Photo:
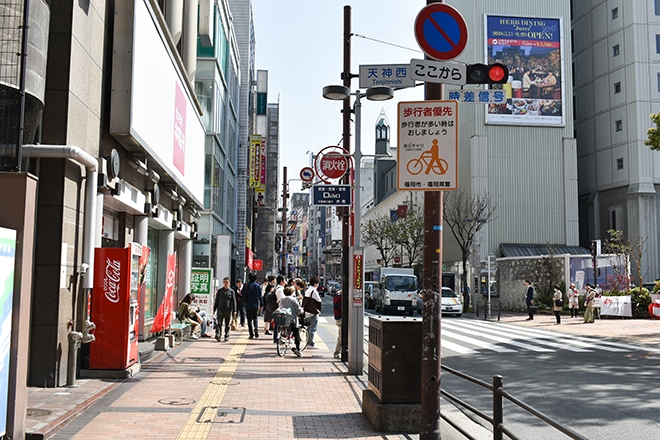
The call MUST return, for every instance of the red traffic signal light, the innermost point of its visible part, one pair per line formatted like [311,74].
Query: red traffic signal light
[496,73]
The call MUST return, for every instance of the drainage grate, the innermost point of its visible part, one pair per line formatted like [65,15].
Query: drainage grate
[176,401]
[38,412]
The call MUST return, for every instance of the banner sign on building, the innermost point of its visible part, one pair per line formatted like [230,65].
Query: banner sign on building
[201,288]
[531,47]
[255,161]
[427,153]
[7,263]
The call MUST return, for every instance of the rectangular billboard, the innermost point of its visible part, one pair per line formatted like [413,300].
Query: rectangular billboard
[531,47]
[153,107]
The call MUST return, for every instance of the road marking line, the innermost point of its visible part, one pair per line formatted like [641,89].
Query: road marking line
[200,421]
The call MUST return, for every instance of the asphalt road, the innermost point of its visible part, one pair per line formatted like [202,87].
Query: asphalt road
[600,388]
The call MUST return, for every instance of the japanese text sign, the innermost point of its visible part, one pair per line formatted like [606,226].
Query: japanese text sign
[392,75]
[428,145]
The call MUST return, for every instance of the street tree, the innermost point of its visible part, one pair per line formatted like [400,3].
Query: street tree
[409,234]
[465,214]
[627,251]
[653,133]
[380,233]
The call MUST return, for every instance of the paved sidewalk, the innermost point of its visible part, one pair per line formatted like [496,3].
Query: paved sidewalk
[216,390]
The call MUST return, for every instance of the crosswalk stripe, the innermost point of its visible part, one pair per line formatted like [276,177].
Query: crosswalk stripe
[571,339]
[498,338]
[539,340]
[457,348]
[466,339]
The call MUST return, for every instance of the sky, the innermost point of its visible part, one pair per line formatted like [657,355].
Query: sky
[300,44]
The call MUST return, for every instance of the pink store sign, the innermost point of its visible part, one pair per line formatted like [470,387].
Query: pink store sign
[179,156]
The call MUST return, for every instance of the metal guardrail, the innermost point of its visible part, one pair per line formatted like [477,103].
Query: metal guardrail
[494,305]
[497,419]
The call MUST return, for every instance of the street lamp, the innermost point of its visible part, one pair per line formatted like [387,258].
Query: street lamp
[356,314]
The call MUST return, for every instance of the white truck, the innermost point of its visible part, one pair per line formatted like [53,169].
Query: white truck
[397,291]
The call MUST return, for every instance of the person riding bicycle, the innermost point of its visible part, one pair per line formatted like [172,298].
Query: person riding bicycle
[290,302]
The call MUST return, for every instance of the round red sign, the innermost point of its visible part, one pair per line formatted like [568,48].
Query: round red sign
[397,259]
[333,165]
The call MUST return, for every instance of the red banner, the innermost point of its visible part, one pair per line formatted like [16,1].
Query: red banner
[257,265]
[163,318]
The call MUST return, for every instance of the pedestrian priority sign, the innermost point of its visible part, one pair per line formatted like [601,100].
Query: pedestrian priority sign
[427,145]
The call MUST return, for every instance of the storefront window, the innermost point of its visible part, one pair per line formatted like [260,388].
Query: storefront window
[151,277]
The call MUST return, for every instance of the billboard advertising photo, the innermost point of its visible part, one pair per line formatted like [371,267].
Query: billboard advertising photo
[531,47]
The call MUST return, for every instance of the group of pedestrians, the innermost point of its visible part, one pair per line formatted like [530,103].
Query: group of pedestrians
[572,295]
[251,300]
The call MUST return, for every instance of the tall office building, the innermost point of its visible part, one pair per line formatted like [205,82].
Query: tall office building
[616,70]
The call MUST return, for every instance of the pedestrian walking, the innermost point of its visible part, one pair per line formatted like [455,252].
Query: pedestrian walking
[268,313]
[240,305]
[589,305]
[573,303]
[558,299]
[336,308]
[225,308]
[312,306]
[529,299]
[270,305]
[253,302]
[280,283]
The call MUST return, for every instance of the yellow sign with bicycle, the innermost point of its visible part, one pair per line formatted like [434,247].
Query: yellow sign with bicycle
[427,145]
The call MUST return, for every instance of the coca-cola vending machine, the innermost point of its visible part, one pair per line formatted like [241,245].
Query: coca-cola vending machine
[117,278]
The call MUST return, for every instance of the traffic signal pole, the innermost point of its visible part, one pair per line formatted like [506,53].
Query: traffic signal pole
[432,284]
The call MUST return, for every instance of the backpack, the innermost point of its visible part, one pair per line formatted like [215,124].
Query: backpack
[271,301]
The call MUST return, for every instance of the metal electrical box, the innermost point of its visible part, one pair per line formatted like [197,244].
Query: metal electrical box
[395,359]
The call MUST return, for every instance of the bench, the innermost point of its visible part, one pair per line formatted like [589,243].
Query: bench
[181,331]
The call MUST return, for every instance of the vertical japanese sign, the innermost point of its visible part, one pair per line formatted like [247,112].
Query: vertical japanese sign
[7,256]
[201,288]
[179,154]
[531,48]
[358,278]
[255,161]
[428,145]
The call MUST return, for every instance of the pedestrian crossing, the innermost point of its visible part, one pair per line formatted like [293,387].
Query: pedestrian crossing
[459,336]
[471,336]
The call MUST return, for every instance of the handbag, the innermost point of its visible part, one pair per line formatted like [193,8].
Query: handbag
[559,303]
[304,321]
[234,324]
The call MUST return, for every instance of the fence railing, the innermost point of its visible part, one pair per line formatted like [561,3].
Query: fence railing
[497,418]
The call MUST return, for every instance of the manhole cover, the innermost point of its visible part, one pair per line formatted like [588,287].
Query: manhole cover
[230,415]
[38,412]
[225,382]
[176,401]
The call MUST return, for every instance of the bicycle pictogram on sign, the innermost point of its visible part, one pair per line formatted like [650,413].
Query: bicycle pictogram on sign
[430,159]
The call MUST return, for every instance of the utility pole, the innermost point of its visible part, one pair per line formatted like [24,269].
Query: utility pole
[432,284]
[344,212]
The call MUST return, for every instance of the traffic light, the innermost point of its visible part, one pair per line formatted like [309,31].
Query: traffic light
[594,250]
[278,243]
[496,73]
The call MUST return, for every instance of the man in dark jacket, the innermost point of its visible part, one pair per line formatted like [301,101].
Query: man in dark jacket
[225,307]
[253,301]
[529,299]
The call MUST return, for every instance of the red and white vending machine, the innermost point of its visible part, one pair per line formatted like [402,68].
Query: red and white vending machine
[117,278]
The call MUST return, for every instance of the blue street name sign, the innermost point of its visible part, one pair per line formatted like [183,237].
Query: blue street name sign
[334,195]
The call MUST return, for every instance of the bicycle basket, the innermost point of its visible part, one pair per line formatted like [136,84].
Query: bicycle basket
[304,321]
[283,317]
